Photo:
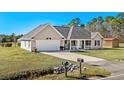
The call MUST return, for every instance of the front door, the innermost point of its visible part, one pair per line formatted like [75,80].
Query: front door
[67,45]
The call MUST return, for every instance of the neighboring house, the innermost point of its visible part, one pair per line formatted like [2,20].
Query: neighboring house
[54,38]
[111,43]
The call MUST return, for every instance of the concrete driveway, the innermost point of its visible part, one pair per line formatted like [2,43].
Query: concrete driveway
[73,56]
[116,68]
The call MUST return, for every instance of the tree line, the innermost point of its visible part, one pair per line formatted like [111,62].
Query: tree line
[10,38]
[110,26]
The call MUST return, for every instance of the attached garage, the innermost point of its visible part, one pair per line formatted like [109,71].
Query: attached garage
[48,45]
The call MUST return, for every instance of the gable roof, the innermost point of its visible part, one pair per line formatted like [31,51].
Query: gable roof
[93,34]
[72,33]
[31,34]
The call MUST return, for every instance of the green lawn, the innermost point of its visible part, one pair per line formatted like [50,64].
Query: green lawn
[15,60]
[109,54]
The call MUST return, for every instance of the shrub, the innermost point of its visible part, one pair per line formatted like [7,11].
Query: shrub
[8,45]
[24,75]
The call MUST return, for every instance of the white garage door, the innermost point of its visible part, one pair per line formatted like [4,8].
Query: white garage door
[48,45]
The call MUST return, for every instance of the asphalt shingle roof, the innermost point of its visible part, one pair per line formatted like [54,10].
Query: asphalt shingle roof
[77,32]
[63,30]
[80,33]
[29,35]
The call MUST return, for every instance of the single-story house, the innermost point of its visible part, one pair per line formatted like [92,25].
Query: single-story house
[55,38]
[110,42]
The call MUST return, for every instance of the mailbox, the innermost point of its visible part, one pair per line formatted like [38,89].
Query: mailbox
[65,65]
[80,60]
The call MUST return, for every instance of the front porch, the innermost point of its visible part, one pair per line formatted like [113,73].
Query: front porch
[76,44]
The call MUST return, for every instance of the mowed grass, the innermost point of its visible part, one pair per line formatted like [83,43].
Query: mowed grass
[15,60]
[109,54]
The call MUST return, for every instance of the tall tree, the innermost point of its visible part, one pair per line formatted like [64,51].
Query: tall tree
[92,25]
[121,15]
[99,23]
[95,24]
[76,22]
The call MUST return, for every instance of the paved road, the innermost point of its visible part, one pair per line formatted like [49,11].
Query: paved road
[116,68]
[115,77]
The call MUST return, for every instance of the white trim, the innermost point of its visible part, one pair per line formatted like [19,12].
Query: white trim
[97,33]
[100,35]
[84,44]
[78,44]
[70,45]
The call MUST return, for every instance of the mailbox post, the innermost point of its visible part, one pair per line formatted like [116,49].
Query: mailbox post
[65,66]
[80,65]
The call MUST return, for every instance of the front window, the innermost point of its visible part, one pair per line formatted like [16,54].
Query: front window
[88,42]
[97,42]
[73,43]
[65,41]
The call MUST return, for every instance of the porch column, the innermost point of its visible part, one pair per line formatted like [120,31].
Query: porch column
[84,44]
[70,44]
[101,43]
[78,44]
